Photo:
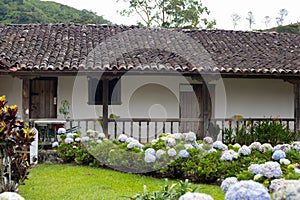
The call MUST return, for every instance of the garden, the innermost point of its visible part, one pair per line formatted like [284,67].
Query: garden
[252,162]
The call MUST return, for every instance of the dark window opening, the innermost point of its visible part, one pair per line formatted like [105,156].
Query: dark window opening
[96,91]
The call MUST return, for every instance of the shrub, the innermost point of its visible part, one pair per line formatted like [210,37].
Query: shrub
[15,139]
[267,131]
[167,192]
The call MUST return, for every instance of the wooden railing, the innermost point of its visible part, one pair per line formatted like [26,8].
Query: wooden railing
[146,129]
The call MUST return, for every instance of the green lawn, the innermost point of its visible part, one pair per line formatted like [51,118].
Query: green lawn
[79,182]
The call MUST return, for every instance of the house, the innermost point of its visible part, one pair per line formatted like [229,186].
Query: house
[156,80]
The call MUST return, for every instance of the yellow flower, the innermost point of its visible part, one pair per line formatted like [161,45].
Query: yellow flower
[13,108]
[3,98]
[291,166]
[266,182]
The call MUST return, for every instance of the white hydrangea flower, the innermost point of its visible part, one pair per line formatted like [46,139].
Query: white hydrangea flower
[190,136]
[227,183]
[68,140]
[244,150]
[129,139]
[149,158]
[283,147]
[122,138]
[229,155]
[188,146]
[101,135]
[54,144]
[289,189]
[170,142]
[255,146]
[177,136]
[265,147]
[172,152]
[284,161]
[98,141]
[78,139]
[236,145]
[296,146]
[257,177]
[212,150]
[195,196]
[10,196]
[208,140]
[275,184]
[159,153]
[150,151]
[61,131]
[154,141]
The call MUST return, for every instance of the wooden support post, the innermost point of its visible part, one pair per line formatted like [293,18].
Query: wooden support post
[105,106]
[206,109]
[297,105]
[25,99]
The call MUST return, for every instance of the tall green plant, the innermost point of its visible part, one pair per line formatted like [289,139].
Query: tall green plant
[65,109]
[15,139]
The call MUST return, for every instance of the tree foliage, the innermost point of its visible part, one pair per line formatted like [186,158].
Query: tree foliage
[250,19]
[169,13]
[235,19]
[282,14]
[36,11]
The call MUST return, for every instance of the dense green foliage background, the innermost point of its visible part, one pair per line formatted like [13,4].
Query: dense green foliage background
[36,11]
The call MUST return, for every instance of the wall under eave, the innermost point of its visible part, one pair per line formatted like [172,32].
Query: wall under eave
[12,88]
[255,98]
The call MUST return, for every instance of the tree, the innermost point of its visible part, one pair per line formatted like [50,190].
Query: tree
[282,13]
[169,13]
[267,20]
[250,19]
[235,19]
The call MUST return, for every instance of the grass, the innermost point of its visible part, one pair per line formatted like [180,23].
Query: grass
[79,182]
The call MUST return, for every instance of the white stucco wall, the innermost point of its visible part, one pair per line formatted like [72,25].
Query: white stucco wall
[12,88]
[246,97]
[255,98]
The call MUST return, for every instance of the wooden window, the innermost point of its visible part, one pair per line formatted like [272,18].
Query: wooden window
[95,96]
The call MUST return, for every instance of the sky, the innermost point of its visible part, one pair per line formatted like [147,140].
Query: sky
[220,10]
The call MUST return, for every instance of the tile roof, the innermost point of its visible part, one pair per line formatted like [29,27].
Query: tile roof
[69,47]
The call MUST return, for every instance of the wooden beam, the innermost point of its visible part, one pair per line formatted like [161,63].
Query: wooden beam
[25,99]
[105,106]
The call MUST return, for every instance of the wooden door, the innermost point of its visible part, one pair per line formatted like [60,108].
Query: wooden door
[190,107]
[195,108]
[43,97]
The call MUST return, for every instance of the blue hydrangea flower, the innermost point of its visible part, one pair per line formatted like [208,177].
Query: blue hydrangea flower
[220,145]
[278,154]
[70,135]
[212,150]
[190,137]
[183,154]
[227,183]
[247,190]
[196,145]
[150,151]
[271,170]
[85,139]
[229,155]
[195,196]
[244,150]
[172,152]
[255,168]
